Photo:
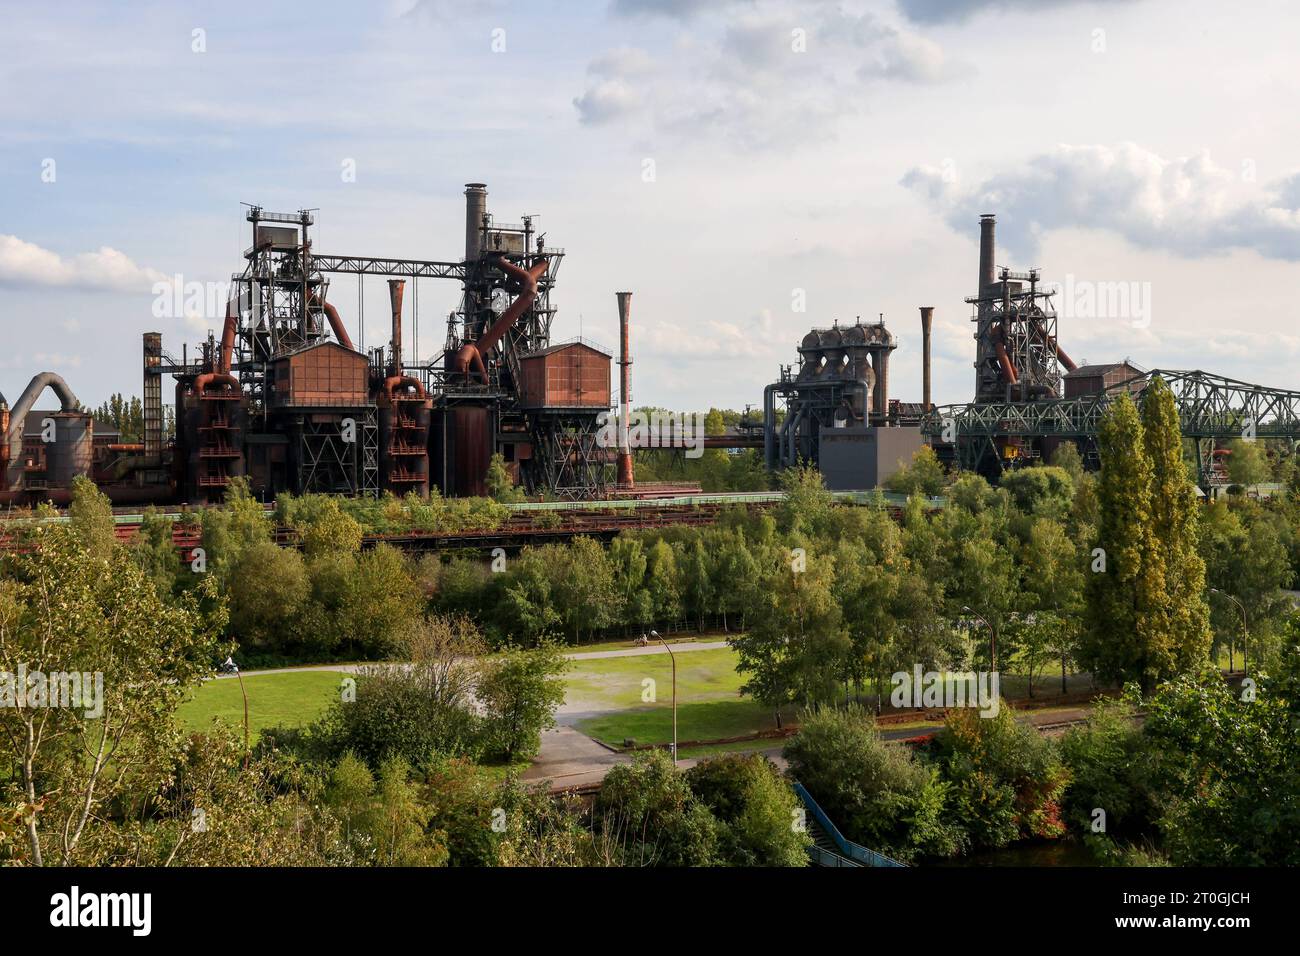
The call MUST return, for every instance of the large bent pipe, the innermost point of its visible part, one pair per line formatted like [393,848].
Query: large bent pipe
[470,356]
[225,359]
[336,323]
[13,438]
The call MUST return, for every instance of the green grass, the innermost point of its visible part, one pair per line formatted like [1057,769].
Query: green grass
[615,683]
[707,720]
[294,698]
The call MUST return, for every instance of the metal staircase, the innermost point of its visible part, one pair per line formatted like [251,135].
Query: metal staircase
[829,846]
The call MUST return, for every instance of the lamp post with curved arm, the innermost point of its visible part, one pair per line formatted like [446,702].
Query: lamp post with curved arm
[993,636]
[1245,651]
[672,657]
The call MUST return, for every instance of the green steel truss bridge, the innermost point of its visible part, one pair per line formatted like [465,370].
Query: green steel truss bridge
[1212,409]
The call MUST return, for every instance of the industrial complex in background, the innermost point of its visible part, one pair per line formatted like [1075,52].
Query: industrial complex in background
[286,398]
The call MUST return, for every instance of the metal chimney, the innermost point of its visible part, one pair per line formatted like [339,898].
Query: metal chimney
[927,321]
[987,251]
[625,474]
[475,210]
[396,287]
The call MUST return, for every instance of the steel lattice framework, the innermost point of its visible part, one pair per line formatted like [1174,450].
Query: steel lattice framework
[1211,408]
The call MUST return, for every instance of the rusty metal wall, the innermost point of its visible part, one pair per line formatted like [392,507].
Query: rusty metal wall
[324,375]
[571,376]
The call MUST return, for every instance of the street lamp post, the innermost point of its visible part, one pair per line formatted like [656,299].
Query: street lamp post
[230,665]
[673,658]
[993,636]
[1245,640]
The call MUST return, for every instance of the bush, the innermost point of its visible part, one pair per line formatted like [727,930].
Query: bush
[1006,779]
[878,795]
[1109,763]
[756,809]
[648,809]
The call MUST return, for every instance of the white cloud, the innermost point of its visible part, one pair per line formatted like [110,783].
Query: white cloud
[27,264]
[938,11]
[1189,205]
[762,74]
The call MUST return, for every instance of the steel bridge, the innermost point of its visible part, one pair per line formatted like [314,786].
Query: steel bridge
[988,437]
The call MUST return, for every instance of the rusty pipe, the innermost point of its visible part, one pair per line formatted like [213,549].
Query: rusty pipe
[396,288]
[1000,346]
[336,323]
[470,357]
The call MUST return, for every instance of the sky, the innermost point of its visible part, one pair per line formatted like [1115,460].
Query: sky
[747,168]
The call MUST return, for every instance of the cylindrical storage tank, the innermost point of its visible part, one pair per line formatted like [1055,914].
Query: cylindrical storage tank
[469,441]
[811,340]
[72,452]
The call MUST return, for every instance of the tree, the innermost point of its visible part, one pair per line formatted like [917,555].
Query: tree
[91,516]
[807,506]
[796,648]
[155,552]
[1007,779]
[582,584]
[1051,573]
[1045,491]
[500,483]
[383,602]
[922,476]
[321,523]
[662,582]
[520,691]
[1247,464]
[1123,587]
[268,589]
[1179,639]
[648,807]
[65,611]
[1226,774]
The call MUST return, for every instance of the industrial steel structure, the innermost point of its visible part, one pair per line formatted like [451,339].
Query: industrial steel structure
[287,400]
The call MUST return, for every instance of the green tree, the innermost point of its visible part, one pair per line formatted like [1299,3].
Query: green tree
[520,690]
[1123,587]
[922,476]
[268,592]
[796,649]
[67,610]
[1247,464]
[500,484]
[1179,638]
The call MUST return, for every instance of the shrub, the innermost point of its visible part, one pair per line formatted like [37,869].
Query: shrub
[878,795]
[755,808]
[1006,779]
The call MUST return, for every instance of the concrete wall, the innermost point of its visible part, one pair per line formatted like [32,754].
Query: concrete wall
[860,458]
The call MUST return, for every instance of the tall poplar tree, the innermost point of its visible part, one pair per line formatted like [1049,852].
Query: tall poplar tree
[1125,572]
[1181,639]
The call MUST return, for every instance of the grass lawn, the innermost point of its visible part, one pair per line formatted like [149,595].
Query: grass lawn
[707,720]
[295,698]
[615,683]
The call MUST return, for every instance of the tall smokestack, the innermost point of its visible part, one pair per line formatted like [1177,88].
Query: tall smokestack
[988,249]
[475,210]
[396,287]
[625,476]
[927,321]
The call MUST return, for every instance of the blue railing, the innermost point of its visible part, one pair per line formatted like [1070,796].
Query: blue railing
[853,853]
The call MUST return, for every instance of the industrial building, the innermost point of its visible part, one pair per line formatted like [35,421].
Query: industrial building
[287,400]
